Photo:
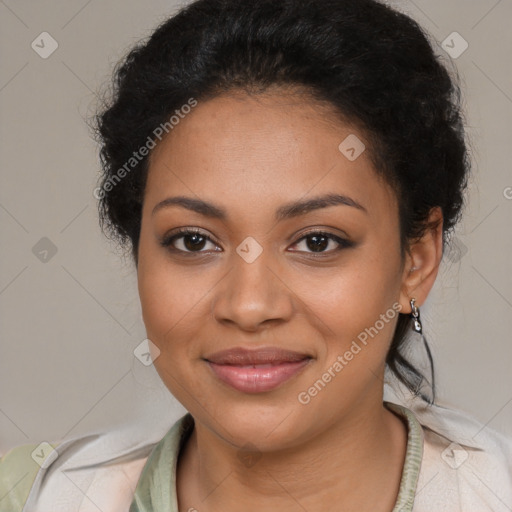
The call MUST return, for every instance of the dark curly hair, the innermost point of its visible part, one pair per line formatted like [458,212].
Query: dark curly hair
[373,65]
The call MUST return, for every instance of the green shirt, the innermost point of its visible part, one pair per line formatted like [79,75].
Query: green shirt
[18,470]
[156,489]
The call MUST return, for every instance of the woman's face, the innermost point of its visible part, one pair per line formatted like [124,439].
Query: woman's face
[257,277]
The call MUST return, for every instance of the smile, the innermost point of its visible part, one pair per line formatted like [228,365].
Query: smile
[256,371]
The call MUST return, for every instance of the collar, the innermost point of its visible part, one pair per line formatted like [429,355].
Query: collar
[156,489]
[452,424]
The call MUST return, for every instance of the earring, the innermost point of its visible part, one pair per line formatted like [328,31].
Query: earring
[424,388]
[415,313]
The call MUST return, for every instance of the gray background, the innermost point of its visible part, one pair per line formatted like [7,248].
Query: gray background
[71,320]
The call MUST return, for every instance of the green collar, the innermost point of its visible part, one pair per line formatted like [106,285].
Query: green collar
[156,489]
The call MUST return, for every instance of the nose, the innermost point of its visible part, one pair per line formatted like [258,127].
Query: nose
[252,296]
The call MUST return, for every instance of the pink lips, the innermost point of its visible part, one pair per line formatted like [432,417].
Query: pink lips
[256,371]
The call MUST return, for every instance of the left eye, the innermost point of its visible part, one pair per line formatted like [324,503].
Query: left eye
[318,242]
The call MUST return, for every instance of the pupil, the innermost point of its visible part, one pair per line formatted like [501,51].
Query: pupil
[320,242]
[197,243]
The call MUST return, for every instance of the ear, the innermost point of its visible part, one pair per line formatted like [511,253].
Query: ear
[422,262]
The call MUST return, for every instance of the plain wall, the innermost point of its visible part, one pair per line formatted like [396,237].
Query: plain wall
[69,325]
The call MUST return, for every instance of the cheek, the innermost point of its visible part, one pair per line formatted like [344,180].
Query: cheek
[175,301]
[170,301]
[358,310]
[357,302]
[354,293]
[163,295]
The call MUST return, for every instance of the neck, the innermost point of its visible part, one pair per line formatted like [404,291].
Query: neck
[355,464]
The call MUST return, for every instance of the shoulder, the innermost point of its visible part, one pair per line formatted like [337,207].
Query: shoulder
[97,470]
[18,470]
[465,464]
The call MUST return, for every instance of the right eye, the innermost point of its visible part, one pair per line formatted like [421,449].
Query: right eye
[187,241]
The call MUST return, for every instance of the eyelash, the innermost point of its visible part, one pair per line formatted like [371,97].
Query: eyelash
[167,241]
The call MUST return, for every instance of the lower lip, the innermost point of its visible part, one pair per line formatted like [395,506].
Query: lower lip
[257,380]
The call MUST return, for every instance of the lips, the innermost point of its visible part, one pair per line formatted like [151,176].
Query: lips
[264,356]
[256,371]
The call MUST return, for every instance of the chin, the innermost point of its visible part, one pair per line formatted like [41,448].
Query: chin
[268,426]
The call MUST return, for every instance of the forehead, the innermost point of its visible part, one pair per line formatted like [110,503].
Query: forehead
[243,148]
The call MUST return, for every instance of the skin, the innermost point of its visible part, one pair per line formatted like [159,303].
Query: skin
[250,155]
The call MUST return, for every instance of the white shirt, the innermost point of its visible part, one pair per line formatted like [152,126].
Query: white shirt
[466,467]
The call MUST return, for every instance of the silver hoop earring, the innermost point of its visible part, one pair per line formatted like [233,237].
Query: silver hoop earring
[415,313]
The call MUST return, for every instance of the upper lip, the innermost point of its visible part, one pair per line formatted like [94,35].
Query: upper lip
[266,355]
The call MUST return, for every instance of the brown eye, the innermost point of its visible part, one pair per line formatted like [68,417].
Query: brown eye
[194,242]
[187,241]
[319,242]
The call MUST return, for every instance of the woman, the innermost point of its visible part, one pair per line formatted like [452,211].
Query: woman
[285,174]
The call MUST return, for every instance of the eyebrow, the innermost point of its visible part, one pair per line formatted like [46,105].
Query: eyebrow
[287,211]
